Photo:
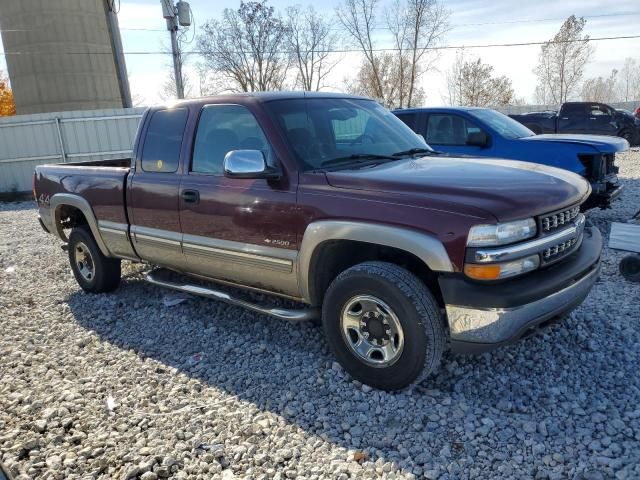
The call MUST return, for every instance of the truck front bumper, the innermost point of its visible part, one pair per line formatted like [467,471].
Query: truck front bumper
[483,317]
[604,195]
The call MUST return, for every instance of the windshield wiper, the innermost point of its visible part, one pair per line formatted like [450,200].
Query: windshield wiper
[356,156]
[412,151]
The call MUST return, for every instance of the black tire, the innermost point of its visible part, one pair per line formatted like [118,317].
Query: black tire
[628,136]
[413,306]
[99,274]
[630,268]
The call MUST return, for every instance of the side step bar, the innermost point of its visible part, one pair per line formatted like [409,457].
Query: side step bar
[292,315]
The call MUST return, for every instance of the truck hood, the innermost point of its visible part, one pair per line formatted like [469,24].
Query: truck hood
[505,189]
[602,143]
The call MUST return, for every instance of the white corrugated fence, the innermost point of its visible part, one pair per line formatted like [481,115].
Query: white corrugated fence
[30,140]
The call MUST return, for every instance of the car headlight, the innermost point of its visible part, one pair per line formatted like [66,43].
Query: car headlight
[498,271]
[501,233]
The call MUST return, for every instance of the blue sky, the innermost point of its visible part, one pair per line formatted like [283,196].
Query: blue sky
[502,21]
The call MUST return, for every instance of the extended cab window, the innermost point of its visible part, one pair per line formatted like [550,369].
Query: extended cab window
[163,140]
[221,129]
[445,129]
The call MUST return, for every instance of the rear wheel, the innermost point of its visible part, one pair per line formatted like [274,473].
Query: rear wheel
[94,272]
[383,325]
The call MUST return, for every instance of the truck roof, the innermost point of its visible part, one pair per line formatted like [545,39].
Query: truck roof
[262,97]
[436,109]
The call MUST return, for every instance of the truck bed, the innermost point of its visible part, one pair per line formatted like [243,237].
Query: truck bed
[101,183]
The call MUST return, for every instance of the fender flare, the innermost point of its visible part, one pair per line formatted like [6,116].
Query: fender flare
[59,200]
[426,247]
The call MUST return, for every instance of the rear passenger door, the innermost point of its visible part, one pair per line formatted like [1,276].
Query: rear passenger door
[153,189]
[237,230]
[449,133]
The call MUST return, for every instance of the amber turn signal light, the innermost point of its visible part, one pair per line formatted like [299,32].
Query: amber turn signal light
[482,272]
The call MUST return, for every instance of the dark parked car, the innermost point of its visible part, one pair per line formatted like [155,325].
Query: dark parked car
[483,132]
[583,117]
[635,116]
[332,201]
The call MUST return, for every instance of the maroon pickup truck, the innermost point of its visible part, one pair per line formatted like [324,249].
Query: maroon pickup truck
[331,201]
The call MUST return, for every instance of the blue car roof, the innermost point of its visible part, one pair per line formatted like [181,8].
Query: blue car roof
[436,109]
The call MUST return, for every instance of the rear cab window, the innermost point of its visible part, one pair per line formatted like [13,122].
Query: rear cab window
[163,140]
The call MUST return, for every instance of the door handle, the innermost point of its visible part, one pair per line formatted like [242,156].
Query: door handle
[191,196]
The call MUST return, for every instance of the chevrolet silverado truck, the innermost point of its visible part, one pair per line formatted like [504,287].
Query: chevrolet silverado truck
[583,117]
[331,201]
[482,132]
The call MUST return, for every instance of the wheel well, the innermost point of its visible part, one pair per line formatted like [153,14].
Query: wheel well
[335,256]
[70,216]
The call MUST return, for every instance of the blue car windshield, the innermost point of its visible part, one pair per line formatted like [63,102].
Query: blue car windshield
[505,126]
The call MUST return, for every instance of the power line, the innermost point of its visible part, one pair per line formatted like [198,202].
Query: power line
[348,50]
[455,25]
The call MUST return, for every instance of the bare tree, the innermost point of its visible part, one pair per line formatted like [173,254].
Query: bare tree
[247,47]
[454,86]
[471,83]
[358,18]
[562,60]
[416,27]
[427,23]
[168,90]
[311,40]
[629,81]
[387,76]
[541,95]
[600,89]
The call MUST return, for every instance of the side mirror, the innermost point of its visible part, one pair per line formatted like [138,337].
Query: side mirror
[478,139]
[247,164]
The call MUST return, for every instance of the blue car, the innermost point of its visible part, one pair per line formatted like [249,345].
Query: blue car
[483,132]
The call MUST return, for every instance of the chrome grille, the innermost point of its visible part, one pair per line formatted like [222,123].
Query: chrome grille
[556,251]
[550,222]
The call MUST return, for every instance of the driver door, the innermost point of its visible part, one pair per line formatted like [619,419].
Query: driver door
[237,230]
[449,133]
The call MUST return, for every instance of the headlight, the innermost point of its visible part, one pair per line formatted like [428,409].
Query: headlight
[501,233]
[498,271]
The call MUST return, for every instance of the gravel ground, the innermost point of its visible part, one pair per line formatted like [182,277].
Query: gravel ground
[122,386]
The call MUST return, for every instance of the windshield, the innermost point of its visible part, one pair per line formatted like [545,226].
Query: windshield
[326,131]
[505,126]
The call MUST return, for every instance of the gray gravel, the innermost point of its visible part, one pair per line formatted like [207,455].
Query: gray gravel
[122,386]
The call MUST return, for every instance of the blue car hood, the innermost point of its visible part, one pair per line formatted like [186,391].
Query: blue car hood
[602,143]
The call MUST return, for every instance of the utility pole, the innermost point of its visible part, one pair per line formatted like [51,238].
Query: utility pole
[178,15]
[118,54]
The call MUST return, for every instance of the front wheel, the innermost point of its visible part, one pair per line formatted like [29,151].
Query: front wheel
[628,136]
[383,325]
[94,272]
